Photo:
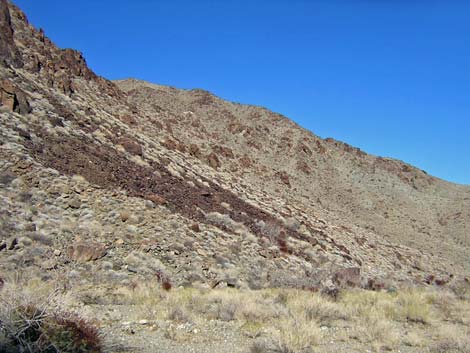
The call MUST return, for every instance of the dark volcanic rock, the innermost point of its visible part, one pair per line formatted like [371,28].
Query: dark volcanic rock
[13,98]
[8,52]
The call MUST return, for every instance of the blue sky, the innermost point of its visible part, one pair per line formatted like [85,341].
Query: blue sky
[389,76]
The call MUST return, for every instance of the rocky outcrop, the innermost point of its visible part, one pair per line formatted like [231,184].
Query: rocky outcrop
[9,54]
[13,98]
[86,251]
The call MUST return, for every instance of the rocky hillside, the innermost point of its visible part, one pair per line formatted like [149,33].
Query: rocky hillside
[110,181]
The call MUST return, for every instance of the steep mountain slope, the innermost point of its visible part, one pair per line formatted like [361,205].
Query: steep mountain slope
[396,201]
[106,182]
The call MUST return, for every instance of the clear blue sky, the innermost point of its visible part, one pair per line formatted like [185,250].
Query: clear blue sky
[389,76]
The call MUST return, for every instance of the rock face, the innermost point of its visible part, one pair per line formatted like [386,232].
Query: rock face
[8,51]
[13,98]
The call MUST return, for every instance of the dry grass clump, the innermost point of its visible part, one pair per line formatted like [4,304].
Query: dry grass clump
[411,305]
[451,338]
[449,306]
[378,331]
[296,321]
[296,334]
[289,335]
[145,297]
[315,307]
[32,321]
[372,314]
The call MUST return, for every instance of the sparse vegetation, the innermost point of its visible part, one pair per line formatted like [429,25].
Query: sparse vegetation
[295,321]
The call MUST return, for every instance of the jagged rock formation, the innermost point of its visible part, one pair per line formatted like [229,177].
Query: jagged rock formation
[8,51]
[199,189]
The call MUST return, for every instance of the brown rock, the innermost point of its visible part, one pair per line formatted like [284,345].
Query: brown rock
[156,199]
[64,83]
[128,119]
[245,162]
[213,160]
[8,51]
[86,251]
[7,94]
[195,151]
[303,167]
[348,277]
[284,178]
[131,146]
[72,63]
[13,98]
[223,151]
[195,227]
[303,149]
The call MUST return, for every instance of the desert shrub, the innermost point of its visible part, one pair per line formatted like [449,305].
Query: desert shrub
[296,335]
[224,221]
[163,279]
[451,338]
[178,314]
[292,224]
[34,323]
[68,332]
[461,289]
[412,306]
[261,346]
[270,230]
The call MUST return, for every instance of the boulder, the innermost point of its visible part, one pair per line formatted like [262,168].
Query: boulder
[86,251]
[348,277]
[213,160]
[284,178]
[13,98]
[131,146]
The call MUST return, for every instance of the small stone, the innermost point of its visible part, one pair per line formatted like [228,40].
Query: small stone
[49,264]
[57,252]
[225,205]
[149,204]
[201,252]
[107,265]
[143,322]
[74,203]
[24,241]
[13,243]
[119,242]
[195,227]
[132,269]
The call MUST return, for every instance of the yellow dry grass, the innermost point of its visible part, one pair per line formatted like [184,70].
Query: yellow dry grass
[294,321]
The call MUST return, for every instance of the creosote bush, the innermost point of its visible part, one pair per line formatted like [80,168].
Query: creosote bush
[32,322]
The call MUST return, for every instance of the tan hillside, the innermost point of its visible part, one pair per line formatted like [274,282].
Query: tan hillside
[112,187]
[394,200]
